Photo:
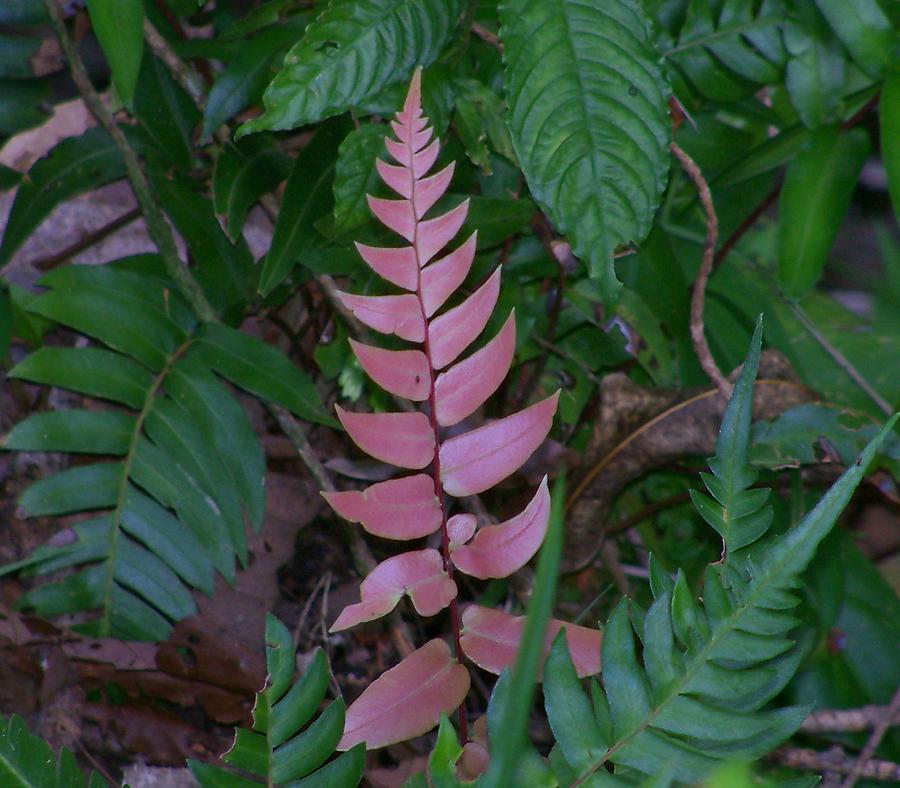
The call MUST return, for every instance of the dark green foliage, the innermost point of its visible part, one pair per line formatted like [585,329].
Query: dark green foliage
[287,746]
[27,762]
[695,696]
[189,467]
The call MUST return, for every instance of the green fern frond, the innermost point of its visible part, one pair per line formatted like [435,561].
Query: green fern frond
[276,749]
[694,699]
[186,467]
[740,515]
[26,761]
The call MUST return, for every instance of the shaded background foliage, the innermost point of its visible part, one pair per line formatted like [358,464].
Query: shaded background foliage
[148,418]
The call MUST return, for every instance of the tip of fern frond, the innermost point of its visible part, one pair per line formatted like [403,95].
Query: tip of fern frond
[412,107]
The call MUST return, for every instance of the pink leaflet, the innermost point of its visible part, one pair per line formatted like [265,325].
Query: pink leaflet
[407,700]
[477,460]
[434,234]
[393,314]
[419,574]
[444,276]
[397,265]
[402,372]
[460,528]
[465,387]
[395,176]
[490,638]
[395,214]
[404,439]
[404,508]
[424,160]
[430,190]
[456,329]
[499,550]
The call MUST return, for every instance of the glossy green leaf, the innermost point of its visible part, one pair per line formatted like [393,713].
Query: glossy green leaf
[74,166]
[480,121]
[814,200]
[78,489]
[113,314]
[166,113]
[293,709]
[816,70]
[346,769]
[224,269]
[243,173]
[119,26]
[889,116]
[94,371]
[81,431]
[444,755]
[590,125]
[864,29]
[307,198]
[245,77]
[259,368]
[223,423]
[569,711]
[355,176]
[354,49]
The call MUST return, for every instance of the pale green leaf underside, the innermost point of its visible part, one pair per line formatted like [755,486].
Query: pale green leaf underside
[355,49]
[588,119]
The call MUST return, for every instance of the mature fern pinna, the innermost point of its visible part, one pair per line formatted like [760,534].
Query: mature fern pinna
[409,699]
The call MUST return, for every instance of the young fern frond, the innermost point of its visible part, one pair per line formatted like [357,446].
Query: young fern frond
[281,748]
[694,698]
[410,698]
[179,465]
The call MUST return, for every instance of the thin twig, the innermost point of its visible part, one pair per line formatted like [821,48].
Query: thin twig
[862,719]
[157,226]
[698,296]
[184,75]
[878,733]
[748,223]
[488,36]
[834,760]
[91,239]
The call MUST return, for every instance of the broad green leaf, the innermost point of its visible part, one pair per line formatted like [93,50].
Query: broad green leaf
[497,218]
[889,115]
[444,755]
[166,113]
[9,178]
[589,121]
[94,371]
[353,50]
[83,431]
[479,121]
[23,12]
[816,70]
[355,176]
[243,173]
[259,368]
[224,269]
[817,191]
[119,26]
[307,198]
[864,29]
[75,165]
[249,71]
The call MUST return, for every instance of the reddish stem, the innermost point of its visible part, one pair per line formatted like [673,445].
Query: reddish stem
[436,463]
